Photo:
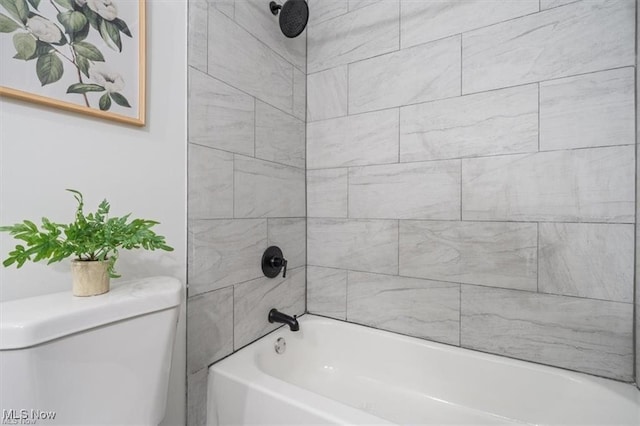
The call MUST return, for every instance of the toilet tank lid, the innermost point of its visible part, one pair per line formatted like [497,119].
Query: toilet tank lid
[35,320]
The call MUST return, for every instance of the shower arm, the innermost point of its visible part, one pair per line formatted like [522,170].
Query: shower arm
[275,8]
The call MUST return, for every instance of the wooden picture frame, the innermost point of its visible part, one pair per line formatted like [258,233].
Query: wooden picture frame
[76,55]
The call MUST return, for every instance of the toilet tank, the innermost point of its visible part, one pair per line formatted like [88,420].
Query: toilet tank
[101,360]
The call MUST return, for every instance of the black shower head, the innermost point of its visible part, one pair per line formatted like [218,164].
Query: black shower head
[294,15]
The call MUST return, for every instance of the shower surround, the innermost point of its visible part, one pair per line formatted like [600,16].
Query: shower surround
[471,174]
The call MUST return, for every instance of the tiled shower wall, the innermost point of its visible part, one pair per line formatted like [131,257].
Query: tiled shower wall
[246,180]
[637,334]
[471,174]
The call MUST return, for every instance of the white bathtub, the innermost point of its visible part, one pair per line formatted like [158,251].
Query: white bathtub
[338,373]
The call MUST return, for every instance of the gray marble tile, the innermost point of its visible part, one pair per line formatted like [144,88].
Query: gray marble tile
[256,17]
[197,44]
[327,292]
[420,308]
[264,189]
[225,6]
[581,37]
[637,204]
[219,115]
[584,185]
[327,193]
[197,398]
[429,190]
[422,73]
[588,110]
[209,328]
[587,260]
[299,94]
[210,188]
[361,245]
[327,94]
[254,299]
[355,140]
[548,4]
[357,4]
[591,336]
[280,137]
[498,122]
[423,21]
[290,236]
[323,10]
[361,34]
[224,252]
[492,254]
[241,60]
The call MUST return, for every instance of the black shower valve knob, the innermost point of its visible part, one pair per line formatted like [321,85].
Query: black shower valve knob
[277,262]
[273,262]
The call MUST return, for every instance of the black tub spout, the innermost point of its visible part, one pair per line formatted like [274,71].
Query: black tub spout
[276,316]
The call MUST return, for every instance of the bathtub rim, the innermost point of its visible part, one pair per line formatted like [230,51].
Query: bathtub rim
[268,383]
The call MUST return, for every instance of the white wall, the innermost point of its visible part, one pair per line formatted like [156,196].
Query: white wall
[139,170]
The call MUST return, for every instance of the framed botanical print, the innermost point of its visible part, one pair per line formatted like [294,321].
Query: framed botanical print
[86,56]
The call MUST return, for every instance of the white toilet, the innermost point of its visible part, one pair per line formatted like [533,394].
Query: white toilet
[101,360]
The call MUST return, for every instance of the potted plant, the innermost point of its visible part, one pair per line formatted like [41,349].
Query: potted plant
[94,239]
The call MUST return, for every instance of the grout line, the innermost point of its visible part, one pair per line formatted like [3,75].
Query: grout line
[372,327]
[472,93]
[222,219]
[430,41]
[248,156]
[564,77]
[460,315]
[484,286]
[233,185]
[460,189]
[207,40]
[348,67]
[461,67]
[528,221]
[255,125]
[244,92]
[539,362]
[434,40]
[256,38]
[348,173]
[331,18]
[399,134]
[555,7]
[267,229]
[538,257]
[399,24]
[346,296]
[398,248]
[509,154]
[243,282]
[538,117]
[387,52]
